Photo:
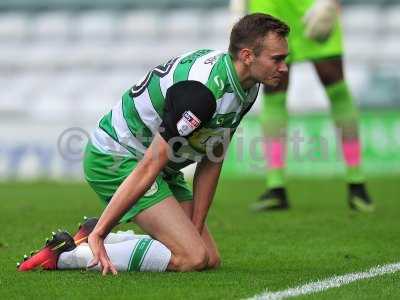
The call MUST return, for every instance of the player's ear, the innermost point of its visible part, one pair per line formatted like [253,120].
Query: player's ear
[246,55]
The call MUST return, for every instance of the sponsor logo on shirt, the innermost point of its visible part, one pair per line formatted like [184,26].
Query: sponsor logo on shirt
[188,123]
[211,60]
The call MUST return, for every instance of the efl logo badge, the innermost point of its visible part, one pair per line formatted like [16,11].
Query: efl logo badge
[188,123]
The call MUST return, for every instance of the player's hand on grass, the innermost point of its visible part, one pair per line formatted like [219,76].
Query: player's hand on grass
[96,244]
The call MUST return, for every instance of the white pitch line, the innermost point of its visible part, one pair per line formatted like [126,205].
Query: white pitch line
[331,282]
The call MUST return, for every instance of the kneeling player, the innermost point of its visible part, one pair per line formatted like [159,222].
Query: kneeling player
[182,112]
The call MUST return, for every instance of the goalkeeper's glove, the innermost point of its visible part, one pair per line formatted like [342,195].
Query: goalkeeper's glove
[238,9]
[320,20]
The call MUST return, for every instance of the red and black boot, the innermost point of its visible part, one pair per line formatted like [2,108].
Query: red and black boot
[47,257]
[81,236]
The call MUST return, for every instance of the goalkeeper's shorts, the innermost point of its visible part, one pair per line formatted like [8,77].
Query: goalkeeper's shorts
[301,48]
[105,173]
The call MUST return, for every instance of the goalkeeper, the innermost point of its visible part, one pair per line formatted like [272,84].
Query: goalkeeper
[315,36]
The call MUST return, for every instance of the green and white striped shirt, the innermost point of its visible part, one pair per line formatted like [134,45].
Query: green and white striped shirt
[129,128]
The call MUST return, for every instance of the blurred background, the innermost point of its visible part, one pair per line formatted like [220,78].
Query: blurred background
[64,63]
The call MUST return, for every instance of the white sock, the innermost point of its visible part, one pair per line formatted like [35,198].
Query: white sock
[121,236]
[140,254]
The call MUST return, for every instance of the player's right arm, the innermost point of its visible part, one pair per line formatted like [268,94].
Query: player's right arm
[131,189]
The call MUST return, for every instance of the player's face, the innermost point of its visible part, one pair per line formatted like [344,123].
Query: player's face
[269,66]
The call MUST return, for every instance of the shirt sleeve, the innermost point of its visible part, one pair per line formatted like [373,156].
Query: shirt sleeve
[188,106]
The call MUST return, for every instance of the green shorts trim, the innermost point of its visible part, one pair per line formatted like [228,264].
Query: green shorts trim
[301,48]
[105,173]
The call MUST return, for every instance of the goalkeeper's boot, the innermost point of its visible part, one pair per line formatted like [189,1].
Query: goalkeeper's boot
[272,199]
[81,236]
[47,257]
[359,199]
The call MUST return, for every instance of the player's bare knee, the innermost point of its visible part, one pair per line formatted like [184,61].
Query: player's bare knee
[193,261]
[214,262]
[198,260]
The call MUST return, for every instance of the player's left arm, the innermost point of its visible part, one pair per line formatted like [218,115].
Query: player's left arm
[204,185]
[207,175]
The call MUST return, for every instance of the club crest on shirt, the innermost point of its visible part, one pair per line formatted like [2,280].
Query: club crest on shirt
[188,123]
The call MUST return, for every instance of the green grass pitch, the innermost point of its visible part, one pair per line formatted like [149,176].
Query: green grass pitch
[318,238]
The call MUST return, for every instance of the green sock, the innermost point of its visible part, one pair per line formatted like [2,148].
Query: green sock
[275,178]
[345,115]
[274,118]
[274,115]
[344,112]
[354,175]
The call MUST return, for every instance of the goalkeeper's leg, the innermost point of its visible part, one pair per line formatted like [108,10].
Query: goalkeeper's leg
[274,118]
[345,115]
